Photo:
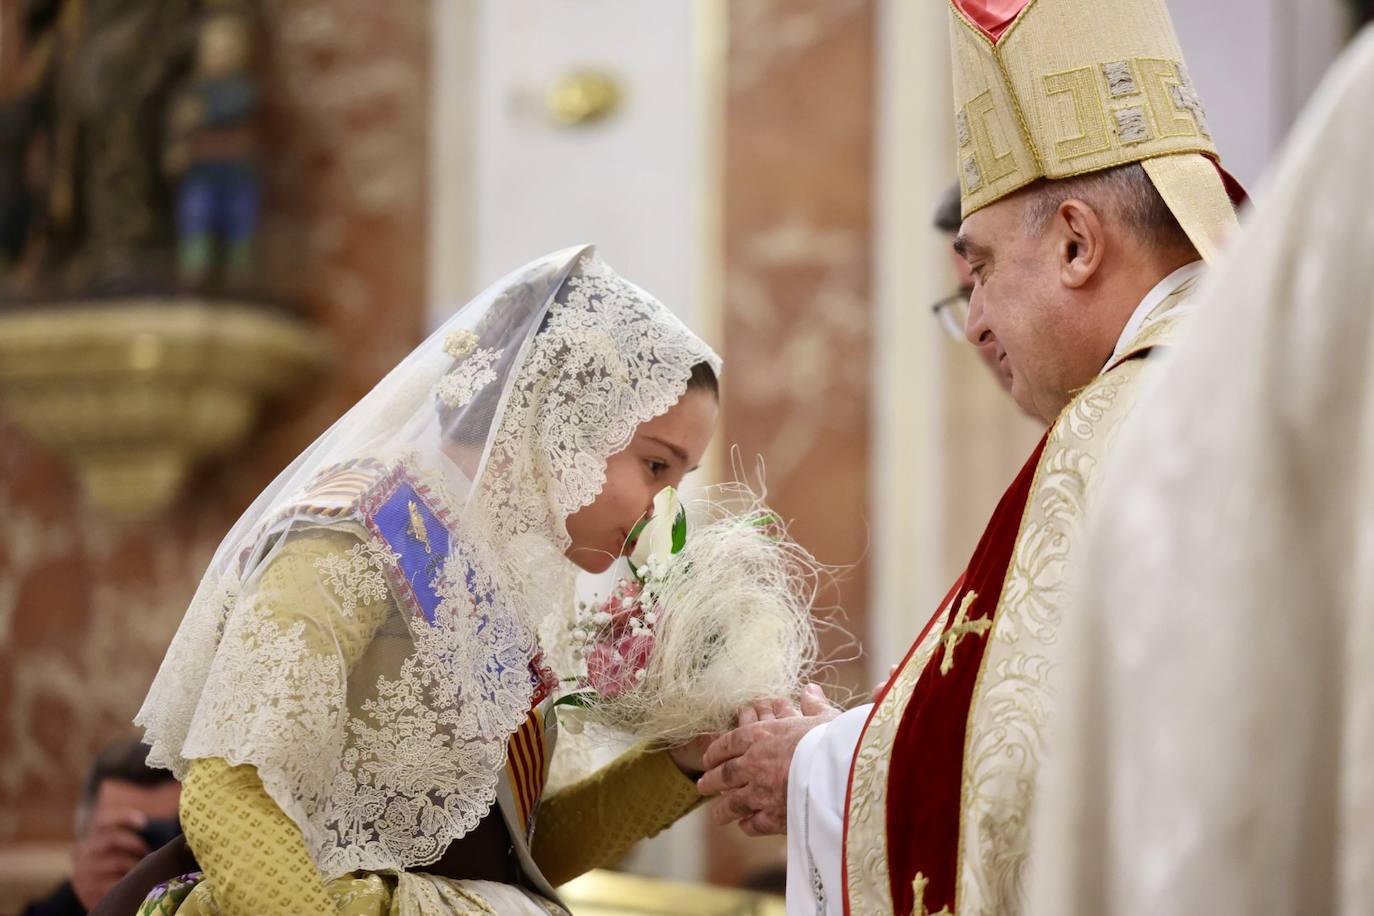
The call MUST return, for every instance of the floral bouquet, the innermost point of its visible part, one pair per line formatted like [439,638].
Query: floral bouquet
[713,615]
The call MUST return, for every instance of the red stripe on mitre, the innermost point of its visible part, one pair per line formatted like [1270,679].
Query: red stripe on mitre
[992,17]
[926,767]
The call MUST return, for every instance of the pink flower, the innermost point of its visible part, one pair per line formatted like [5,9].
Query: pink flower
[623,603]
[612,666]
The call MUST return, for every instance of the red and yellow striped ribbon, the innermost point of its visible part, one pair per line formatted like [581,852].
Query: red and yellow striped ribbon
[525,764]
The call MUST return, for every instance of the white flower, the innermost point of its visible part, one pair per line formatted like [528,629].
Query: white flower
[460,386]
[656,540]
[572,719]
[460,343]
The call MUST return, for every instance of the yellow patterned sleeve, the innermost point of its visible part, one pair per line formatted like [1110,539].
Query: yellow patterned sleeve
[593,822]
[254,858]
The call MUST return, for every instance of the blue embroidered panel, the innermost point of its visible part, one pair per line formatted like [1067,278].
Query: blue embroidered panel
[410,526]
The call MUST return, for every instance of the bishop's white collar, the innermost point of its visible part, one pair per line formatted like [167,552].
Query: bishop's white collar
[1161,291]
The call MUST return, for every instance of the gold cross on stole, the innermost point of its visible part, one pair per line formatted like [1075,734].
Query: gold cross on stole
[960,628]
[918,887]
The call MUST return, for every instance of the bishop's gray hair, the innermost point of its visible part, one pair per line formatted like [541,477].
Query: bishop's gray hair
[1124,193]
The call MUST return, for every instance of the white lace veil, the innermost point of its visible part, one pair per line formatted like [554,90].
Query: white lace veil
[366,633]
[1216,748]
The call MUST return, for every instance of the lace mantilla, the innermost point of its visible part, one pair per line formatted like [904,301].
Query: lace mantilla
[359,576]
[365,634]
[609,358]
[474,373]
[380,735]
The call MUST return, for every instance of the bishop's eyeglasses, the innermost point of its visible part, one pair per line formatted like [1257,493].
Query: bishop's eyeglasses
[952,312]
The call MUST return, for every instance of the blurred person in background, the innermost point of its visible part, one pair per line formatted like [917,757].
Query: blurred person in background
[952,310]
[127,809]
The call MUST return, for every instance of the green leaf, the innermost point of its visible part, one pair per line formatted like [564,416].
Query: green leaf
[635,532]
[680,531]
[583,699]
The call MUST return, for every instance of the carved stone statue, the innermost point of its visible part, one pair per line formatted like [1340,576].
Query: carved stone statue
[88,206]
[213,151]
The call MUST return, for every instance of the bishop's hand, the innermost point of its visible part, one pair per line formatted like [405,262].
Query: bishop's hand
[748,767]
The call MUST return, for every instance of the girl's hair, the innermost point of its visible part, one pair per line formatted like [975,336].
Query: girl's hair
[703,378]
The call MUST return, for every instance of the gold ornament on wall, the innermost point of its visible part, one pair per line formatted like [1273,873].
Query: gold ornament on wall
[583,97]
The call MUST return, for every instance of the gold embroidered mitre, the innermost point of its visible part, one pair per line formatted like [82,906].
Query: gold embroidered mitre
[1058,88]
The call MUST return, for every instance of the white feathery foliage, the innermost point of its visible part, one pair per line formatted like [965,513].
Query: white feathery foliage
[734,623]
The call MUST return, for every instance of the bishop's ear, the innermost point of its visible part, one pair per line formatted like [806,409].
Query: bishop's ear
[1079,242]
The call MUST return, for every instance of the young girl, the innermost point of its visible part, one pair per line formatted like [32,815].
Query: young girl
[357,700]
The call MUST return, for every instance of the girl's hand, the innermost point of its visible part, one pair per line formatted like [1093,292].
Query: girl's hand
[878,687]
[689,757]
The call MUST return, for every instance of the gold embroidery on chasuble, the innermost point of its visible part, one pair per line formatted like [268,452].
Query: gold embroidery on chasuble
[865,854]
[918,891]
[1009,711]
[960,627]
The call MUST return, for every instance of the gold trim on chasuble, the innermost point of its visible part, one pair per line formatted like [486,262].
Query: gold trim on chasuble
[868,890]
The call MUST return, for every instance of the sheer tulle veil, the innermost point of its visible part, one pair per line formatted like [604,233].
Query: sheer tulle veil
[444,491]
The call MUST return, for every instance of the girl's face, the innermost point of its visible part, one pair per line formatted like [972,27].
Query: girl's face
[661,453]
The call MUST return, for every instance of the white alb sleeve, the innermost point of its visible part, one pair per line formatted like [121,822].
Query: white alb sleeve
[816,787]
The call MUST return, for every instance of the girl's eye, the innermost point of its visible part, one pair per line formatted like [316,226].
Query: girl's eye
[657,467]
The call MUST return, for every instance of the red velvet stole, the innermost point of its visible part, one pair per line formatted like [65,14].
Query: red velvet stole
[925,772]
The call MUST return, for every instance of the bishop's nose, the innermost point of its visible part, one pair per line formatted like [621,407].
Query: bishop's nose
[976,329]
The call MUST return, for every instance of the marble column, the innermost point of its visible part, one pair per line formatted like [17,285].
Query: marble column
[797,247]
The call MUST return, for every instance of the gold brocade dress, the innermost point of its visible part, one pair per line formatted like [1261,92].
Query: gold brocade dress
[255,859]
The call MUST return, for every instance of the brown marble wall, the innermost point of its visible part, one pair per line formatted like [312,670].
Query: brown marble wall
[11,21]
[87,606]
[799,126]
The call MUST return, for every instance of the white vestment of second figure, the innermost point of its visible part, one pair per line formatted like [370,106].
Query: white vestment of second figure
[1216,724]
